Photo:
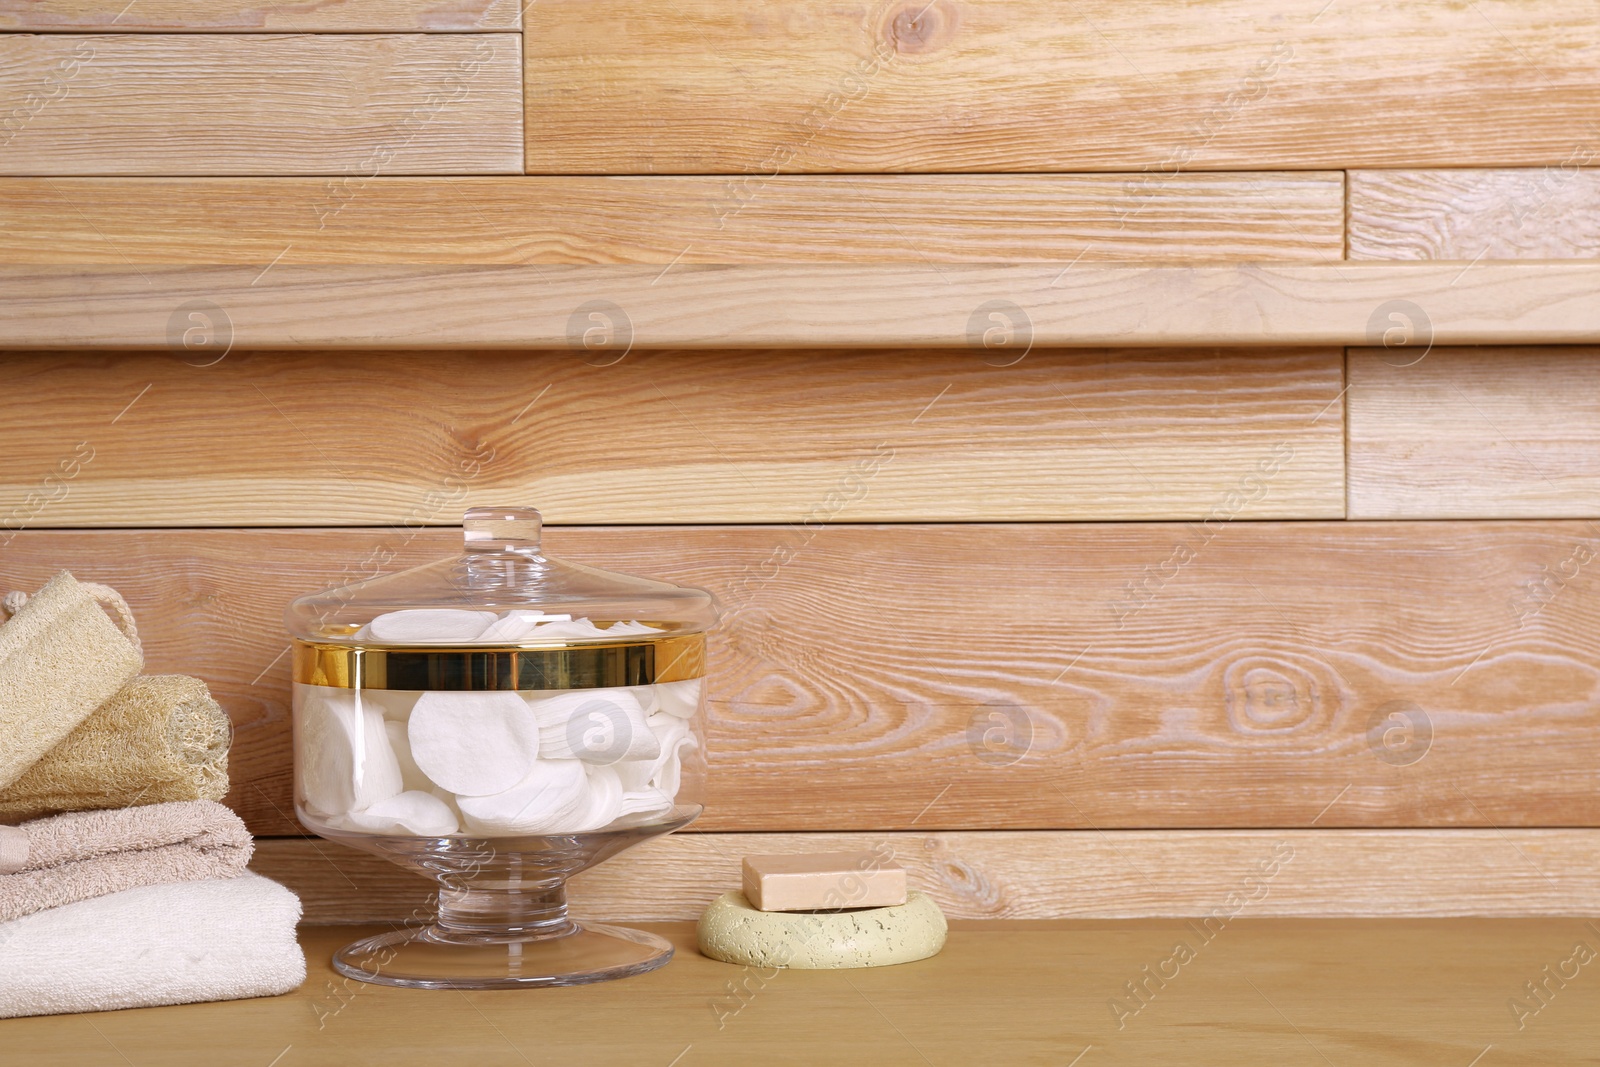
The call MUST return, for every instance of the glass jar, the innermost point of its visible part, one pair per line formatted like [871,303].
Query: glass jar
[499,721]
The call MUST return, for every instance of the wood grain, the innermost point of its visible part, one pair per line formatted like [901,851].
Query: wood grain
[1258,993]
[994,311]
[674,436]
[1041,874]
[1552,212]
[878,218]
[1024,85]
[351,106]
[1074,676]
[267,16]
[1474,433]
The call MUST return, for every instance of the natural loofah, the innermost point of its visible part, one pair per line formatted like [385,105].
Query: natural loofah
[160,738]
[61,657]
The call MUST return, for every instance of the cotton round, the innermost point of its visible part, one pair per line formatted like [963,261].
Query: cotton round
[680,698]
[472,743]
[552,799]
[346,762]
[594,725]
[411,812]
[431,625]
[604,797]
[411,775]
[515,625]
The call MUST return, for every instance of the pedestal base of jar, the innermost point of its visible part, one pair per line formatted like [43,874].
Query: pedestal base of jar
[428,958]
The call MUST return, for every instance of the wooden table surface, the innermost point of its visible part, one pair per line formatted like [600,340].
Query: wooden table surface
[1266,991]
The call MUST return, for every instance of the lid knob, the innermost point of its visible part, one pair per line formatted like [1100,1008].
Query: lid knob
[502,530]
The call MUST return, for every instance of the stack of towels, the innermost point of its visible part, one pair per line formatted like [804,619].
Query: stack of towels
[122,880]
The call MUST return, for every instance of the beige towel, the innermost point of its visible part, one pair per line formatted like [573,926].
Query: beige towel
[160,738]
[88,854]
[60,658]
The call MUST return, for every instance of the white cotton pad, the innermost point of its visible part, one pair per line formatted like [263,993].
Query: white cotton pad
[510,626]
[649,785]
[674,735]
[411,812]
[411,775]
[395,704]
[649,703]
[563,631]
[346,762]
[629,629]
[680,698]
[646,802]
[552,799]
[604,798]
[430,625]
[594,725]
[472,743]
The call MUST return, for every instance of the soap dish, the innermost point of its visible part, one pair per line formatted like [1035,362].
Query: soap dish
[734,931]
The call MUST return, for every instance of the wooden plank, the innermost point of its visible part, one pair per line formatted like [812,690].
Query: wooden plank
[997,312]
[676,436]
[1021,676]
[1035,85]
[1474,433]
[263,16]
[351,106]
[871,219]
[1040,874]
[1552,212]
[1251,993]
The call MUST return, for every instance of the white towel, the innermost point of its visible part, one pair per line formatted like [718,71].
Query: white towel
[181,943]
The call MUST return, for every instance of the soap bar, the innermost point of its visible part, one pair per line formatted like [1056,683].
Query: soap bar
[823,880]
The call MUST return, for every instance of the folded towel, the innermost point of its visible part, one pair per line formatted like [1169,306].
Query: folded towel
[88,854]
[60,658]
[222,939]
[160,738]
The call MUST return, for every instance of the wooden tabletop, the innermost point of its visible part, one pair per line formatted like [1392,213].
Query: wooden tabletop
[1326,992]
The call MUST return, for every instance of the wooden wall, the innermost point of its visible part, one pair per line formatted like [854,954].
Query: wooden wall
[1064,610]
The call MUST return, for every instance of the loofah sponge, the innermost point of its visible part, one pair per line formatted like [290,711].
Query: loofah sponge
[160,738]
[61,657]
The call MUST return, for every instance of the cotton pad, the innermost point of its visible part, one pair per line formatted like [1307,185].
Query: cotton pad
[680,698]
[552,799]
[649,702]
[411,812]
[411,775]
[594,725]
[604,798]
[346,762]
[473,743]
[395,704]
[515,625]
[563,631]
[630,629]
[644,802]
[430,625]
[674,736]
[650,785]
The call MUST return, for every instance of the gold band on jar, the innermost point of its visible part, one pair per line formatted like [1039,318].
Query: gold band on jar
[666,659]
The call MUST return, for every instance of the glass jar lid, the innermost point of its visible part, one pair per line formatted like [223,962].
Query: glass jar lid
[502,590]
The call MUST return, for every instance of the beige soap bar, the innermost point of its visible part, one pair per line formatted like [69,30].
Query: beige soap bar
[818,881]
